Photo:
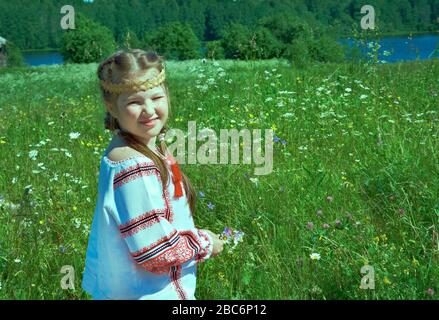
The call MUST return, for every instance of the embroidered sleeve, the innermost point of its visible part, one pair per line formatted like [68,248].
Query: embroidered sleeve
[143,221]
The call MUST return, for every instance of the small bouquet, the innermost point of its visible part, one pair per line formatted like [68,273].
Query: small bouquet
[229,235]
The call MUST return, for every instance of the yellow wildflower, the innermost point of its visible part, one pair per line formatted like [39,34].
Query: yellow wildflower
[386,280]
[415,262]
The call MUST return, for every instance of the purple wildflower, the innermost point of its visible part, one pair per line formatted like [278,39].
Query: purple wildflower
[201,193]
[430,292]
[310,225]
[228,231]
[210,206]
[319,213]
[329,198]
[284,142]
[337,223]
[276,139]
[326,226]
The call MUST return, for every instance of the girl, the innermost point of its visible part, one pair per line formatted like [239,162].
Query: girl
[143,242]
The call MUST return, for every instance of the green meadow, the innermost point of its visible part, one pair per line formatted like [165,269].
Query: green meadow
[355,178]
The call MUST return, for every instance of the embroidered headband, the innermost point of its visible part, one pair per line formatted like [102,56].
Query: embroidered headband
[139,84]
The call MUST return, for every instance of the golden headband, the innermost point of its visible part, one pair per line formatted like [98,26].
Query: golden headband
[139,84]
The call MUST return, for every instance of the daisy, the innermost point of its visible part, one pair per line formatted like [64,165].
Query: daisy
[74,135]
[314,256]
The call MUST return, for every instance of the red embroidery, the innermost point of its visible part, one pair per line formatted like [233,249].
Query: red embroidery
[175,255]
[153,245]
[175,274]
[141,222]
[204,252]
[169,213]
[133,172]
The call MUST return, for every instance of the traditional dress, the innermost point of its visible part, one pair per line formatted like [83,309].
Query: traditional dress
[143,242]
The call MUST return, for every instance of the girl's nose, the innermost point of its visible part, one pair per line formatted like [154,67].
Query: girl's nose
[149,107]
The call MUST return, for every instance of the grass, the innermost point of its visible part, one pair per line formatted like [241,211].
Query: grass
[358,152]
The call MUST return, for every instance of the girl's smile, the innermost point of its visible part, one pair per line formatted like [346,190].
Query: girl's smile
[151,123]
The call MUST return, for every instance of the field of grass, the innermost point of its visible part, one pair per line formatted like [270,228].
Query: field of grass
[355,179]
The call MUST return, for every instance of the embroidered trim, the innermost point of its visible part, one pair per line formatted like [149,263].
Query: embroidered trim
[133,172]
[178,249]
[155,248]
[204,252]
[169,212]
[111,162]
[179,253]
[175,278]
[141,222]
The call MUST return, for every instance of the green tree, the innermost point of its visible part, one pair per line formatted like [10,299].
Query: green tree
[236,39]
[130,40]
[264,44]
[175,41]
[215,49]
[285,28]
[14,55]
[88,42]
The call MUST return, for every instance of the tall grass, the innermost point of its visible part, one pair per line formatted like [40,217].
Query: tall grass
[355,177]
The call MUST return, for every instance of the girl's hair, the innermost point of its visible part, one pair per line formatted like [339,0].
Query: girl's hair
[125,65]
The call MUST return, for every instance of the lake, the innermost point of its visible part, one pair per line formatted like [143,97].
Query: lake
[43,58]
[401,48]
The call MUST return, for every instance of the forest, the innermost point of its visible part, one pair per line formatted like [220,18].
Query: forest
[34,24]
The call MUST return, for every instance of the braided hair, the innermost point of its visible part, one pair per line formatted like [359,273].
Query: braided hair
[124,65]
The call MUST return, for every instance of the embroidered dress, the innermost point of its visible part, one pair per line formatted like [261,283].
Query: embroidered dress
[143,243]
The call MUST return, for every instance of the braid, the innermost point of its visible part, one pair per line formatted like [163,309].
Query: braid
[126,64]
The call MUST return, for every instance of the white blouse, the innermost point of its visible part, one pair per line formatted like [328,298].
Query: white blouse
[143,243]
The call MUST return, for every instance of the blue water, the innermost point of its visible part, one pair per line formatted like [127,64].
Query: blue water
[45,58]
[402,48]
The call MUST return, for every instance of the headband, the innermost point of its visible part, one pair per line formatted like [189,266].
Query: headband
[139,84]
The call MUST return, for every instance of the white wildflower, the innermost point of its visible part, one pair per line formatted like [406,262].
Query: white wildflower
[33,154]
[255,181]
[74,135]
[314,256]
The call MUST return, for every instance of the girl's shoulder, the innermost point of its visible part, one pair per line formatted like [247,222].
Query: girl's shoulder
[124,155]
[118,153]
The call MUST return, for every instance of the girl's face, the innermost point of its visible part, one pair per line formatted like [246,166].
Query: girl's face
[143,113]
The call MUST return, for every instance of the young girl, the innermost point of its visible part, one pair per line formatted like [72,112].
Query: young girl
[143,242]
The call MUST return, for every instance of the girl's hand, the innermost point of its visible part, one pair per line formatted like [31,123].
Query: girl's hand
[218,244]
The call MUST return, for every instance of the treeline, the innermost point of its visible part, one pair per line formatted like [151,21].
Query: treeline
[278,36]
[35,24]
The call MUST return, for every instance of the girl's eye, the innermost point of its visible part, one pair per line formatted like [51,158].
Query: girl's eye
[156,98]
